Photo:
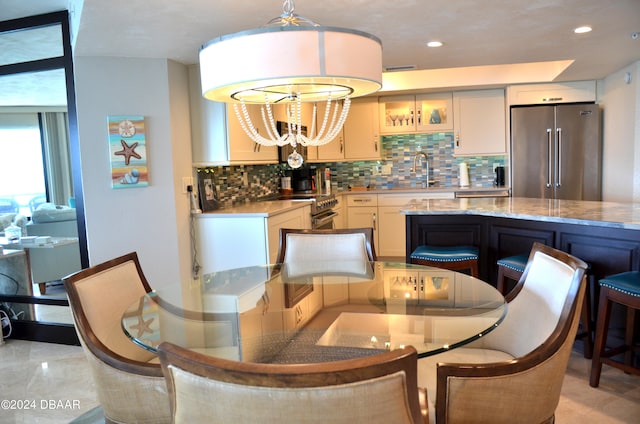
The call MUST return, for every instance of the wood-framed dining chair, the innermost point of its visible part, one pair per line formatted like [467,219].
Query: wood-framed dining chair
[346,244]
[514,374]
[128,378]
[377,389]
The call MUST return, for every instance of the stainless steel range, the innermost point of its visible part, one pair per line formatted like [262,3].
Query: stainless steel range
[322,212]
[322,205]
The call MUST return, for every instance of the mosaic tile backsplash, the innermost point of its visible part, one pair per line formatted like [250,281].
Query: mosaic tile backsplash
[247,183]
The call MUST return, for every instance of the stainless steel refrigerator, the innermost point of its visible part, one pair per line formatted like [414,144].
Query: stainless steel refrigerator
[556,151]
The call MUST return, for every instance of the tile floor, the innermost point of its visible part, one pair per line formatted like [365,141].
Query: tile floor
[45,372]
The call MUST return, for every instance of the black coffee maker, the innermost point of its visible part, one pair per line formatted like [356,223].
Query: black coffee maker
[499,181]
[302,179]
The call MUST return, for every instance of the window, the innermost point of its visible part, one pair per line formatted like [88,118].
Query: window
[21,174]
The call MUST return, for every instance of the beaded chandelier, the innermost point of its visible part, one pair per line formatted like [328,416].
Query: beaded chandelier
[289,61]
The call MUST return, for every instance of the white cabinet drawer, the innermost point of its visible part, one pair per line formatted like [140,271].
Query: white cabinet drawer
[403,199]
[362,200]
[568,92]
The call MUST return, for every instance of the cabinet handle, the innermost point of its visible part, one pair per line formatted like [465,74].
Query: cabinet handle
[549,157]
[559,160]
[341,146]
[458,140]
[375,145]
[374,221]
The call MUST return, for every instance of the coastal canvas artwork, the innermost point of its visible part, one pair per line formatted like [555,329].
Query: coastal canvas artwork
[128,151]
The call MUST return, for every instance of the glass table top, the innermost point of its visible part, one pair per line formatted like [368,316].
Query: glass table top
[317,311]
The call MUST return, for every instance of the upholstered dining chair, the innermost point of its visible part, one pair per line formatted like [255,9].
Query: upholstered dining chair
[347,244]
[514,373]
[375,389]
[128,378]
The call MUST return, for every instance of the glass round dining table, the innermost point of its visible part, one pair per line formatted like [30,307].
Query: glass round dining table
[317,311]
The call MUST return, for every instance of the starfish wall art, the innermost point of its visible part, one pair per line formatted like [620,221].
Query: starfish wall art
[128,151]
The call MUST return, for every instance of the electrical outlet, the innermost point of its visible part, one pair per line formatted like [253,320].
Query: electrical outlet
[186,182]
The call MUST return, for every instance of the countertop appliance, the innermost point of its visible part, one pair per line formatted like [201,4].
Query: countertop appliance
[499,182]
[556,151]
[303,180]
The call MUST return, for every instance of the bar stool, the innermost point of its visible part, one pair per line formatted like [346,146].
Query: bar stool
[447,257]
[512,267]
[623,289]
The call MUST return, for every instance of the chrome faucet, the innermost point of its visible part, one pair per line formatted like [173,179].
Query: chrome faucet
[425,166]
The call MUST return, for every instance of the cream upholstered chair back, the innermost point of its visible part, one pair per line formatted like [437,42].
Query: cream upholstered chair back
[538,333]
[537,307]
[351,244]
[129,384]
[376,389]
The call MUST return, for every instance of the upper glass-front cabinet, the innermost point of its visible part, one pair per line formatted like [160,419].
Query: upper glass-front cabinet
[416,114]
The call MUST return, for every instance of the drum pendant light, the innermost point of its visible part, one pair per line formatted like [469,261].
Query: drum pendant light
[291,60]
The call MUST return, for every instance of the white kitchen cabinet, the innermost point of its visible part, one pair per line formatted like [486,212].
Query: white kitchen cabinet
[392,113]
[391,223]
[565,92]
[382,212]
[391,232]
[239,240]
[361,132]
[363,217]
[359,138]
[332,151]
[416,114]
[479,119]
[362,212]
[299,218]
[217,137]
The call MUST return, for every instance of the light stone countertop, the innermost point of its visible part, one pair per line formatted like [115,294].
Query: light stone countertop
[414,190]
[256,209]
[604,214]
[269,208]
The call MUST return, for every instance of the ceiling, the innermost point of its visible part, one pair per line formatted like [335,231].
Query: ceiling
[475,33]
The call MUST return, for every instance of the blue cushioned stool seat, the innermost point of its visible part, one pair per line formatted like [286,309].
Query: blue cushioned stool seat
[624,289]
[627,283]
[512,268]
[445,253]
[516,263]
[448,257]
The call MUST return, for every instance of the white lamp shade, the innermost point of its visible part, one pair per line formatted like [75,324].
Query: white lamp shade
[284,61]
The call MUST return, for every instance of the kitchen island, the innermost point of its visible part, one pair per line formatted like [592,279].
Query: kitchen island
[604,234]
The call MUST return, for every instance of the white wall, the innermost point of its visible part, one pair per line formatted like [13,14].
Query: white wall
[151,220]
[621,134]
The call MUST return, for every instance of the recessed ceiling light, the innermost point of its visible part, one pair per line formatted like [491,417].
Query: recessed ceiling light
[434,44]
[582,29]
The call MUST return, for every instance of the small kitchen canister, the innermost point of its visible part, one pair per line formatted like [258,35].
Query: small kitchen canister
[463,176]
[285,185]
